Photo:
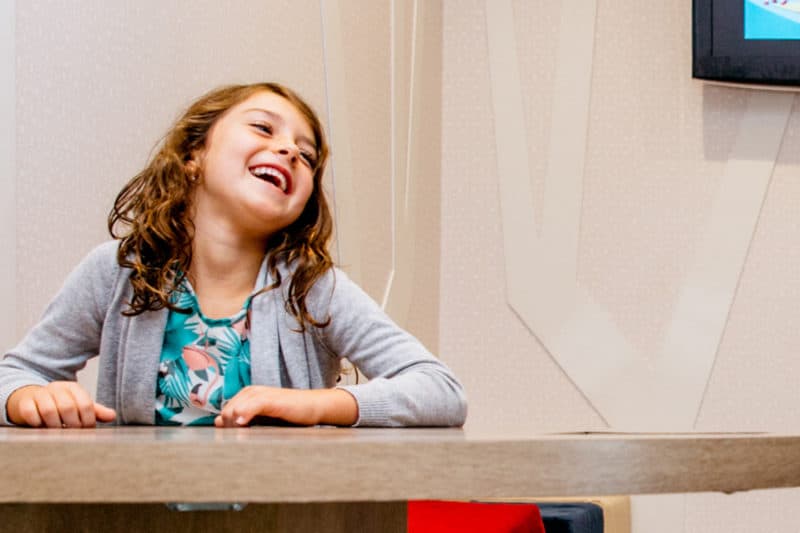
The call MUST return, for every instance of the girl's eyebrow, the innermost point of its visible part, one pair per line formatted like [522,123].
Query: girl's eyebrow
[275,117]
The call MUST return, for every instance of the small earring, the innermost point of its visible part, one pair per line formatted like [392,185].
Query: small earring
[193,171]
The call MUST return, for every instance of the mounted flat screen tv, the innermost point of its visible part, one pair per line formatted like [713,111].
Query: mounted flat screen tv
[747,41]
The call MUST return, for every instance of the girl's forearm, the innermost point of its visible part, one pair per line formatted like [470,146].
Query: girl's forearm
[296,406]
[339,407]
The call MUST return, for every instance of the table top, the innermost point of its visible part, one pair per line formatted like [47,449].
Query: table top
[322,464]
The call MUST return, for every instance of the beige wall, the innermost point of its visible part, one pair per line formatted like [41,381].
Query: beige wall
[649,160]
[98,83]
[8,169]
[674,261]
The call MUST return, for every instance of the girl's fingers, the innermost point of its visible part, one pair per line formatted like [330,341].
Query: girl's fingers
[46,405]
[90,411]
[243,414]
[57,404]
[234,415]
[29,412]
[241,409]
[67,409]
[84,406]
[299,407]
[103,413]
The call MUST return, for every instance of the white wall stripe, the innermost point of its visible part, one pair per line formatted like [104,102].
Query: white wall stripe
[708,292]
[8,175]
[394,55]
[398,109]
[516,196]
[569,128]
[341,166]
[413,89]
[406,88]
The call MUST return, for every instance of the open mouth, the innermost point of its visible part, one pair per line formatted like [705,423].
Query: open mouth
[274,175]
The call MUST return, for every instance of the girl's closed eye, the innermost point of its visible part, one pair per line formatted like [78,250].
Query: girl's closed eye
[309,158]
[263,127]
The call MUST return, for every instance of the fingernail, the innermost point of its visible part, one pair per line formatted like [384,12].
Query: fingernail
[240,421]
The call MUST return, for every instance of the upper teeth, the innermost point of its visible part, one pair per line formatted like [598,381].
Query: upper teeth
[272,172]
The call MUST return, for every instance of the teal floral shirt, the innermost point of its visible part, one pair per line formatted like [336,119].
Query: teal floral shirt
[204,362]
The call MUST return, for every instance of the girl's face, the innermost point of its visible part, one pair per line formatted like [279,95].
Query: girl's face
[257,167]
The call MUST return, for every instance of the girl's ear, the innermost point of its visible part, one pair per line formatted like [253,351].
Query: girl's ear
[192,168]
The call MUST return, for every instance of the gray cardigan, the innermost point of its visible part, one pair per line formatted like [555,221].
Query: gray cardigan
[407,386]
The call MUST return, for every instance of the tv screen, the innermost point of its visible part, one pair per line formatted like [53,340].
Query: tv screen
[747,41]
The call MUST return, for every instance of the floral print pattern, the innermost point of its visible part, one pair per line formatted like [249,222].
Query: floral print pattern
[204,362]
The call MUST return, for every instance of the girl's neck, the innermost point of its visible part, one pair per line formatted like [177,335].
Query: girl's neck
[223,272]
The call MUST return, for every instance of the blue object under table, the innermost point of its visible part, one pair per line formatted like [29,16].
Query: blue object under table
[571,517]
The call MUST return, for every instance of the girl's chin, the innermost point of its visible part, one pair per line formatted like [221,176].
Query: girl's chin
[276,217]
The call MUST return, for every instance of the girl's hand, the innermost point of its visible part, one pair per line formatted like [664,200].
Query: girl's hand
[296,406]
[60,404]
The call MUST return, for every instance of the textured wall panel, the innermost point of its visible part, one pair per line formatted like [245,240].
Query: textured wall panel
[383,73]
[348,245]
[367,67]
[407,112]
[8,152]
[424,198]
[629,391]
[511,381]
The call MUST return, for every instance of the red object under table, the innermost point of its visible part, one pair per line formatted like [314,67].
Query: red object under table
[465,517]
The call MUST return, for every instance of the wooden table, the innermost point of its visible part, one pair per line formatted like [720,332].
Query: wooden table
[294,479]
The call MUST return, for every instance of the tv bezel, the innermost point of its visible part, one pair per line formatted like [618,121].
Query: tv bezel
[721,53]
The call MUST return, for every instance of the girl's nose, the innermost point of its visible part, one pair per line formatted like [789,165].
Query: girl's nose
[287,149]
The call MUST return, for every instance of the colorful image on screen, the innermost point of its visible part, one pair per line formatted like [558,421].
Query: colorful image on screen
[772,19]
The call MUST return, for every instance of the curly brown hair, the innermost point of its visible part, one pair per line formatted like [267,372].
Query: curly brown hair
[151,216]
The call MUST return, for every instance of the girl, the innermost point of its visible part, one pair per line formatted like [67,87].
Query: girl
[217,302]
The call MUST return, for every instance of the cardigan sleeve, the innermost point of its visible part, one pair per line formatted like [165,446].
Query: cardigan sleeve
[407,385]
[68,333]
